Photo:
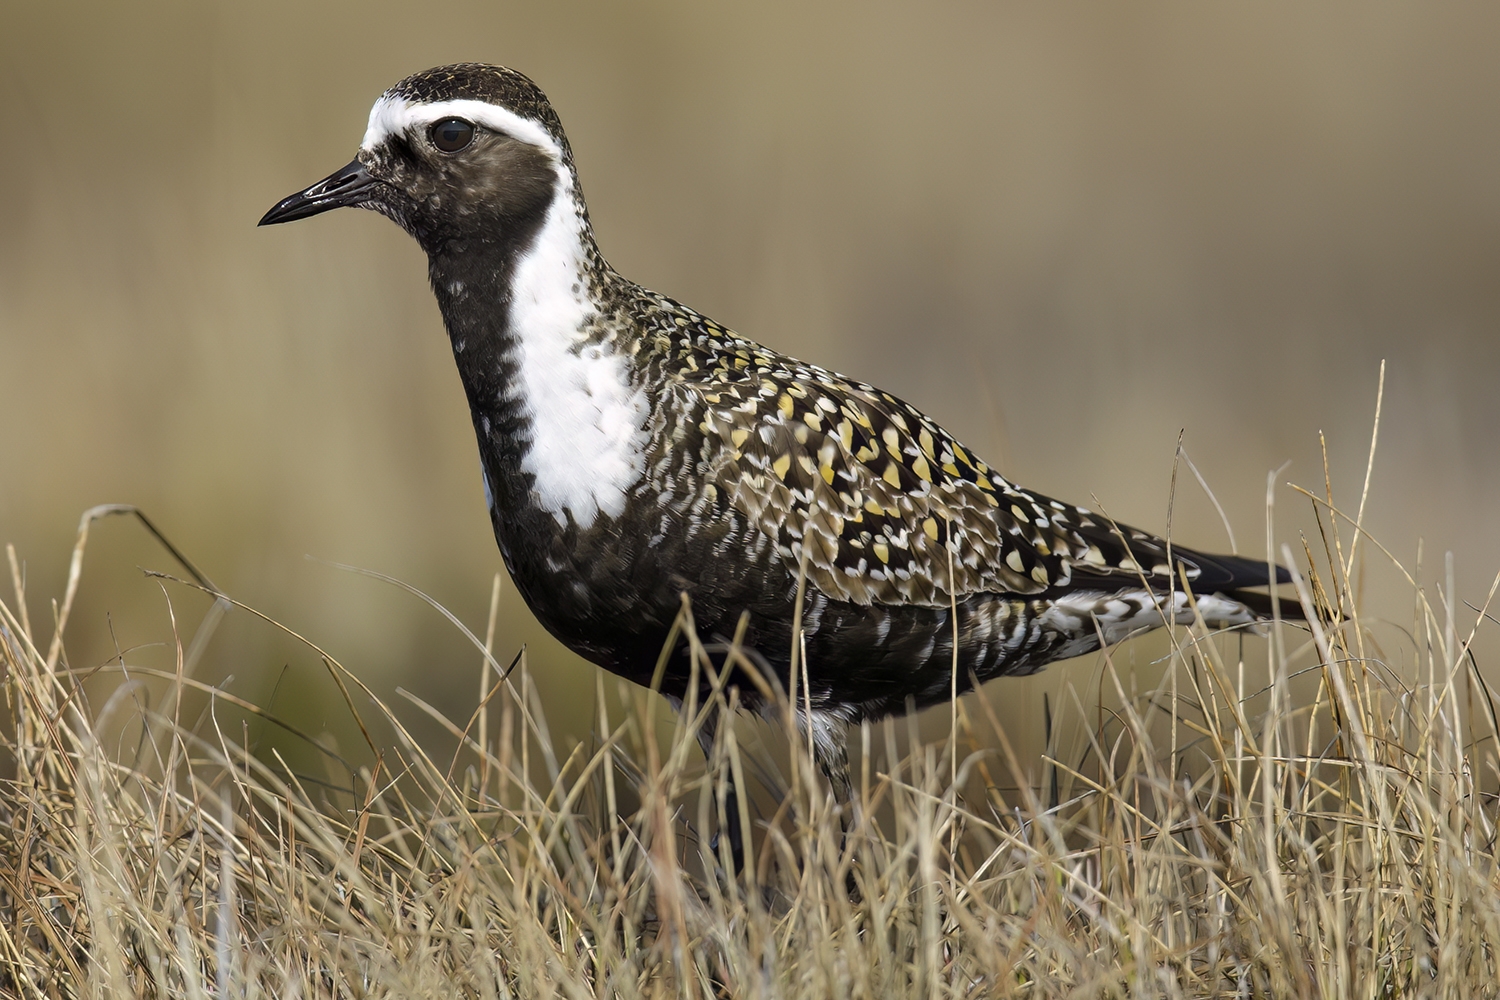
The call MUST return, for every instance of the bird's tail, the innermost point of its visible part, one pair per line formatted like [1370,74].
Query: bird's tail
[1265,608]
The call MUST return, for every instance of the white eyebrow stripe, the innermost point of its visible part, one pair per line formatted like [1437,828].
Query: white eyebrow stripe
[393,115]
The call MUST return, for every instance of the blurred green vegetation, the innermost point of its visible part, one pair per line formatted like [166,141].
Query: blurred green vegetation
[1067,231]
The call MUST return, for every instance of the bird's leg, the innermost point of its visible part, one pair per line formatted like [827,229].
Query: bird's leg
[827,733]
[707,736]
[833,761]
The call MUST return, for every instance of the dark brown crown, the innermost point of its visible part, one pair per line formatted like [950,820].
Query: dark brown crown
[482,82]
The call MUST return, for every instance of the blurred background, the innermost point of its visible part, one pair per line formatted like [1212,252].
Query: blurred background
[1067,231]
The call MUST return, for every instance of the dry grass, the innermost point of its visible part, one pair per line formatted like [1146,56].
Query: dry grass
[1307,823]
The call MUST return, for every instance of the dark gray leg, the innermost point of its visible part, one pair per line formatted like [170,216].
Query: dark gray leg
[707,733]
[834,763]
[833,760]
[830,745]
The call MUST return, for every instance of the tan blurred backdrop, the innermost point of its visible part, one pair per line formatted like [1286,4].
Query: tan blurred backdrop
[1067,231]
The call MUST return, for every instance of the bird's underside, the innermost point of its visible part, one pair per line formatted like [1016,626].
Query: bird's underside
[763,473]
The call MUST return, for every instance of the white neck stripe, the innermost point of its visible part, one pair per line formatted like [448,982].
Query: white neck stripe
[587,446]
[393,115]
[586,442]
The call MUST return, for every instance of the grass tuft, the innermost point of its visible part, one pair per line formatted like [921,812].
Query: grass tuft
[1308,821]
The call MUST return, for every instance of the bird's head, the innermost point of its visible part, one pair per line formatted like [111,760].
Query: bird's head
[468,153]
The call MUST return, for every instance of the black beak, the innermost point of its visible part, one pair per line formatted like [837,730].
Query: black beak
[348,185]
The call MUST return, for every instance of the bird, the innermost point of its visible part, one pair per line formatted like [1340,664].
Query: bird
[633,451]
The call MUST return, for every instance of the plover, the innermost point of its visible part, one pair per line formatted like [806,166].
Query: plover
[634,450]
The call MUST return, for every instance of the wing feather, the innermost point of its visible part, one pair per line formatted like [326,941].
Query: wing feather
[886,506]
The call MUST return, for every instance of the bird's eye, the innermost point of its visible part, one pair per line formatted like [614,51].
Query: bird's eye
[452,134]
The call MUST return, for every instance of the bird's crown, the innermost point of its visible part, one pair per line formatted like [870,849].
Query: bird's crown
[494,97]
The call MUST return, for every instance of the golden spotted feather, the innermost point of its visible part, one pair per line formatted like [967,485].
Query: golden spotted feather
[885,503]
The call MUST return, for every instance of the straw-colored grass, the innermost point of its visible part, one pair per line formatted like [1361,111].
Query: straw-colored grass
[1309,822]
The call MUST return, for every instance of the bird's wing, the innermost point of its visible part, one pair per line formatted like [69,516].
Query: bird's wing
[887,507]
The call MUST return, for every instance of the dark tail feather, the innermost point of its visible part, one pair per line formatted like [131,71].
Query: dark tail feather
[1219,574]
[1233,575]
[1260,603]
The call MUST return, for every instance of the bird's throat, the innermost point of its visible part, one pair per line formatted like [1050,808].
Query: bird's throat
[560,420]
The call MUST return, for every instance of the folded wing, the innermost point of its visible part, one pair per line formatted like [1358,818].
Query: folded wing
[886,507]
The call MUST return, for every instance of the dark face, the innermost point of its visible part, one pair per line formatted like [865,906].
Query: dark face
[450,182]
[457,181]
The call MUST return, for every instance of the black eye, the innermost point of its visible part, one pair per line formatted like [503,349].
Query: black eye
[452,134]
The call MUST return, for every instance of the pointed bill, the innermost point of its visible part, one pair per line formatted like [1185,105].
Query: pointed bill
[347,186]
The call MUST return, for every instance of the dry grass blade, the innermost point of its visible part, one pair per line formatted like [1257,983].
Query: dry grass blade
[1198,841]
